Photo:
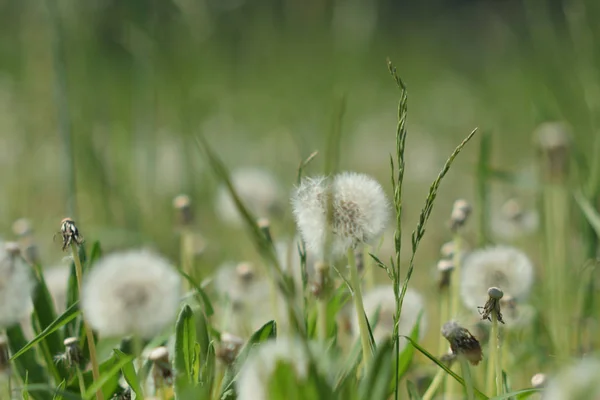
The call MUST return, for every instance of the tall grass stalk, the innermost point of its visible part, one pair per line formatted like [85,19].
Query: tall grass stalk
[494,367]
[360,309]
[435,385]
[88,331]
[419,232]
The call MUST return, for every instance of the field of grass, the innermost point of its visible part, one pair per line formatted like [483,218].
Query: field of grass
[111,111]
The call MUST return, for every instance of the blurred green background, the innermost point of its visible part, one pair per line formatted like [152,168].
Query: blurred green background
[130,83]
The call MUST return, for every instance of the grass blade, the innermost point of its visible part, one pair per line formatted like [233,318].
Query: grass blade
[208,308]
[106,377]
[131,377]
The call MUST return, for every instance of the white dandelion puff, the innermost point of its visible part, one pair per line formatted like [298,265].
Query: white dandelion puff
[504,267]
[359,211]
[514,221]
[578,381]
[381,299]
[133,292]
[258,190]
[16,285]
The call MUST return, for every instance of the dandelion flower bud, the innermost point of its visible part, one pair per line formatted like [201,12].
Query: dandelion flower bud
[359,211]
[183,206]
[382,298]
[257,188]
[16,285]
[538,380]
[460,213]
[462,342]
[4,357]
[134,292]
[503,267]
[256,373]
[445,268]
[578,381]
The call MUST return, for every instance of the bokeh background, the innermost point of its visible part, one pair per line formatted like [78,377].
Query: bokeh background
[101,102]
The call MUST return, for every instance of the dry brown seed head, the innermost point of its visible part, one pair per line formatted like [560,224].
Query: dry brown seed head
[245,271]
[460,213]
[229,349]
[447,249]
[159,354]
[70,233]
[492,305]
[183,205]
[462,342]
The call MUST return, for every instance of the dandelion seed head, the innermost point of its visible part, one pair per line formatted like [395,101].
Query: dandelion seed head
[514,220]
[16,285]
[462,343]
[503,267]
[538,380]
[258,190]
[359,211]
[256,373]
[382,298]
[577,381]
[133,292]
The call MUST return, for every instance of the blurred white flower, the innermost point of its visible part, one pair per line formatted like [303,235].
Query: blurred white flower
[504,267]
[516,315]
[577,382]
[381,299]
[57,280]
[16,285]
[359,211]
[257,188]
[513,221]
[255,374]
[133,292]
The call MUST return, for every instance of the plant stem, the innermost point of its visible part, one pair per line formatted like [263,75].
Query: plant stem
[88,331]
[9,384]
[322,319]
[437,382]
[466,372]
[81,382]
[495,344]
[368,266]
[452,386]
[360,309]
[187,258]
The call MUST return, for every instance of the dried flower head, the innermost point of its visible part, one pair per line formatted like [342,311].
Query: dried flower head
[447,249]
[380,306]
[577,381]
[445,268]
[73,356]
[229,348]
[462,343]
[258,190]
[161,371]
[183,206]
[492,306]
[554,139]
[16,285]
[359,211]
[4,356]
[69,233]
[461,210]
[256,372]
[503,267]
[133,292]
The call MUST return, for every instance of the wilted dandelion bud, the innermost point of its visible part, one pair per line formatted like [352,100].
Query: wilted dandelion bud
[359,212]
[447,249]
[265,227]
[257,372]
[133,292]
[462,342]
[554,140]
[229,349]
[538,380]
[161,371]
[445,268]
[460,213]
[492,306]
[382,299]
[4,356]
[73,356]
[257,188]
[70,233]
[502,267]
[183,207]
[245,271]
[16,285]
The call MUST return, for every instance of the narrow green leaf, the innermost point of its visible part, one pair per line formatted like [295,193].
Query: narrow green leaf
[57,393]
[128,371]
[592,216]
[519,394]
[375,384]
[106,376]
[443,366]
[28,368]
[59,390]
[266,332]
[45,314]
[208,308]
[67,316]
[108,388]
[407,354]
[413,393]
[185,340]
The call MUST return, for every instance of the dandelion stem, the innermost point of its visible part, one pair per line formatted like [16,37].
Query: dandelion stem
[88,331]
[81,382]
[322,319]
[368,266]
[495,348]
[437,382]
[466,372]
[9,384]
[452,385]
[360,309]
[187,258]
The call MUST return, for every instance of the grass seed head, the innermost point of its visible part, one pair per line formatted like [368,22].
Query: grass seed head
[133,292]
